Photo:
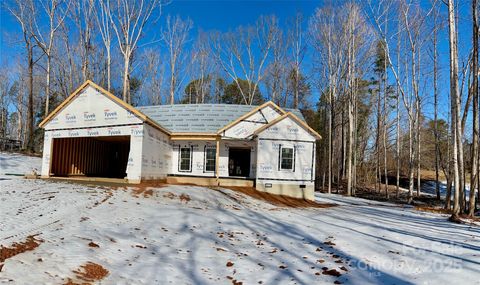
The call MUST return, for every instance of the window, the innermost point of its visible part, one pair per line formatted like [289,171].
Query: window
[185,159]
[286,158]
[210,157]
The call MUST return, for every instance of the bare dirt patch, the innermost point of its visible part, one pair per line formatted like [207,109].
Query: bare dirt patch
[145,189]
[89,272]
[279,200]
[16,248]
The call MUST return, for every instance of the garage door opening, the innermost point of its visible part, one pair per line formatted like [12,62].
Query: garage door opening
[90,156]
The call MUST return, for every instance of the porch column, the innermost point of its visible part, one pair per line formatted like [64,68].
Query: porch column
[217,159]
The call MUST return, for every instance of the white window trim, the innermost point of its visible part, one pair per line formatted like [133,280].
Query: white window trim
[293,159]
[180,160]
[205,160]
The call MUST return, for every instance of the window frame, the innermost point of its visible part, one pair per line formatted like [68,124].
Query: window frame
[180,158]
[281,158]
[206,159]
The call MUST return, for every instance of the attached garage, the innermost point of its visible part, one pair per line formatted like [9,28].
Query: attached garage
[95,134]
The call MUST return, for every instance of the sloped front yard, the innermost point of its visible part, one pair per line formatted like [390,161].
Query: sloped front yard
[194,235]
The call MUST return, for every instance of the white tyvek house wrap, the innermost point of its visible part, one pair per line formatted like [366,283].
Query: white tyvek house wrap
[90,108]
[157,153]
[134,169]
[245,128]
[92,114]
[198,157]
[286,133]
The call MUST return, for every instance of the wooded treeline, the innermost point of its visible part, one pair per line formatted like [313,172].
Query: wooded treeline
[366,74]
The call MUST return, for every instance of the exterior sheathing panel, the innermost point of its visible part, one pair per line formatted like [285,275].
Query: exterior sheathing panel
[89,109]
[246,127]
[198,157]
[156,155]
[270,178]
[92,114]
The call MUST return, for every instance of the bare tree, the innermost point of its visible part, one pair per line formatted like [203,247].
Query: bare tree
[128,19]
[102,16]
[56,15]
[455,106]
[175,36]
[153,77]
[298,49]
[202,68]
[278,71]
[474,90]
[22,12]
[435,103]
[82,14]
[244,53]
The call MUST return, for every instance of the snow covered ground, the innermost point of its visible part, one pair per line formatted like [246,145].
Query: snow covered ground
[18,164]
[195,235]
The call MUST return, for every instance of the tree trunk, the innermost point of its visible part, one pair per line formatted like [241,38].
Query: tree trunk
[474,89]
[385,104]
[297,79]
[410,159]
[435,108]
[47,87]
[172,90]
[30,142]
[377,139]
[109,66]
[330,141]
[454,96]
[126,78]
[418,147]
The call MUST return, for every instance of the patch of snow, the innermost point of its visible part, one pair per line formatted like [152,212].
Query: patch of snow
[19,164]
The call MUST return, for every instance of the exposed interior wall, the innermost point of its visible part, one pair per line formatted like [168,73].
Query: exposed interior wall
[156,154]
[90,156]
[245,128]
[270,176]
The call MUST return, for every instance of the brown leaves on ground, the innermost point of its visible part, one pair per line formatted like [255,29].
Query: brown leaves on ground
[90,272]
[146,193]
[183,197]
[145,189]
[169,195]
[229,264]
[433,210]
[331,272]
[16,248]
[92,244]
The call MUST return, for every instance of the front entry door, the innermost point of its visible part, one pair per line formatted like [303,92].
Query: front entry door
[239,162]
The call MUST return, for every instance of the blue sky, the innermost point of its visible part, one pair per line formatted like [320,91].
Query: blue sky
[226,15]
